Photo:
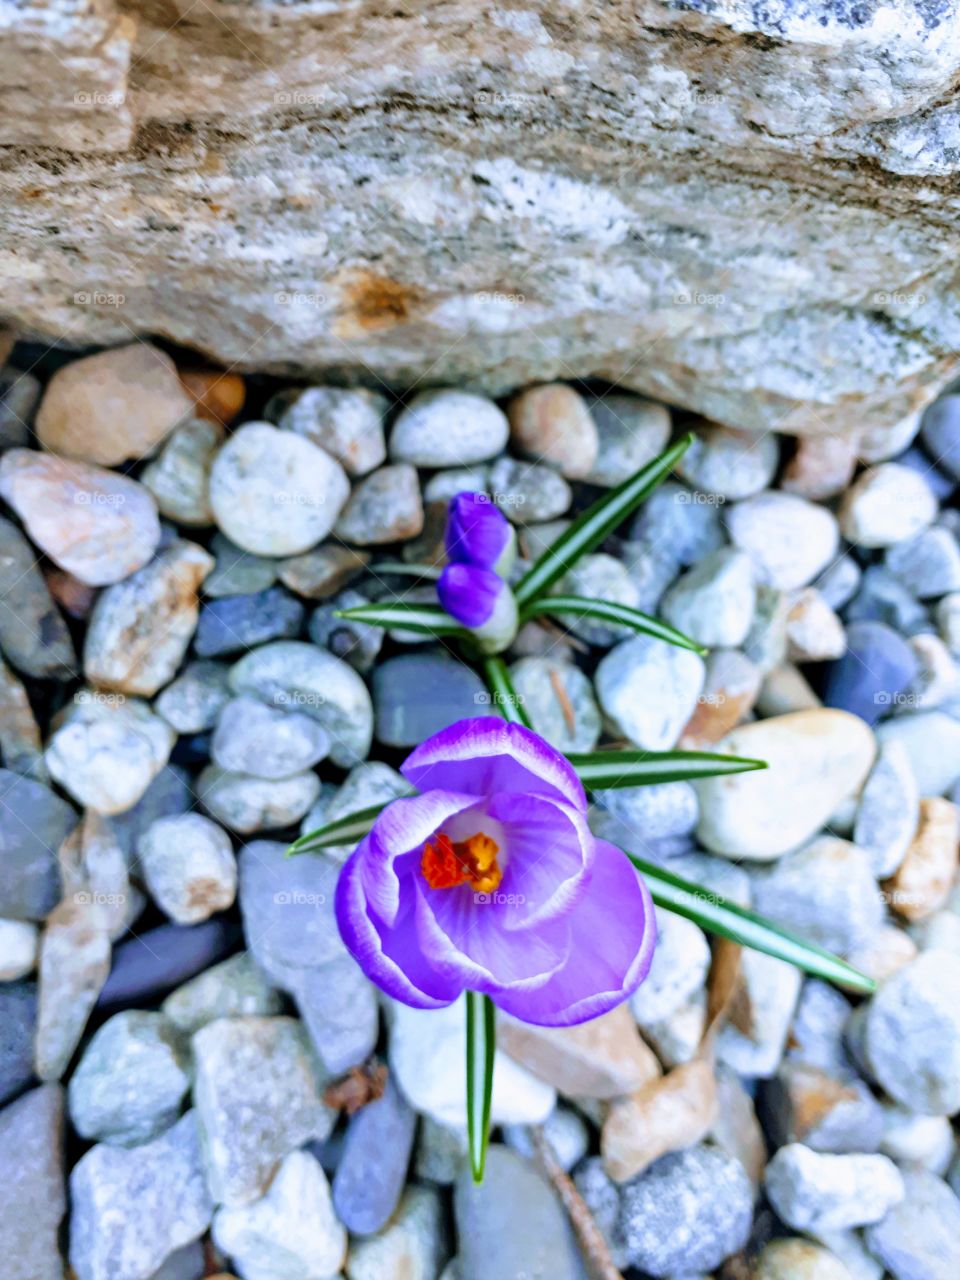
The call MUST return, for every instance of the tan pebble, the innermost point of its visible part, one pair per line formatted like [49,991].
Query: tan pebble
[217,396]
[666,1115]
[798,1260]
[814,632]
[821,468]
[922,882]
[112,407]
[885,954]
[600,1059]
[97,525]
[551,423]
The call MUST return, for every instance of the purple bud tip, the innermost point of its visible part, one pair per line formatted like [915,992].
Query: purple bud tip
[477,531]
[469,593]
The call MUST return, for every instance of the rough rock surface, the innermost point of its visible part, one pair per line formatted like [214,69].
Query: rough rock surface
[706,200]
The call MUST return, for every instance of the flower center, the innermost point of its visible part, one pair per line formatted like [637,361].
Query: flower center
[473,861]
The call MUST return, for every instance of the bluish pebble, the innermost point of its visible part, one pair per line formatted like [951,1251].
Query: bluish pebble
[872,675]
[235,623]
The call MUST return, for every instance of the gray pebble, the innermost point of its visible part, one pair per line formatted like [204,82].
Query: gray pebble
[372,1169]
[416,695]
[130,1081]
[240,622]
[919,1239]
[267,742]
[34,822]
[31,1169]
[688,1212]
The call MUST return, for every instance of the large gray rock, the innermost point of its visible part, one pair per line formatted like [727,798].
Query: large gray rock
[34,1196]
[512,1224]
[258,1093]
[498,213]
[131,1209]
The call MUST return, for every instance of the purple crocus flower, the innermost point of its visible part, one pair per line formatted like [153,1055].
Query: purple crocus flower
[479,533]
[491,880]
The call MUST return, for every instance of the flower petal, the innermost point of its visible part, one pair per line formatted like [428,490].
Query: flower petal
[402,828]
[612,937]
[477,531]
[388,956]
[462,937]
[486,755]
[469,594]
[548,853]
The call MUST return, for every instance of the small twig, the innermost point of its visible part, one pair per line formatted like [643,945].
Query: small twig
[594,1246]
[358,1087]
[566,706]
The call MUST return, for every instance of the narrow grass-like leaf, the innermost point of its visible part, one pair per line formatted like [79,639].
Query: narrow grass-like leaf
[481,1045]
[604,770]
[425,619]
[717,915]
[608,611]
[346,830]
[505,697]
[596,523]
[402,569]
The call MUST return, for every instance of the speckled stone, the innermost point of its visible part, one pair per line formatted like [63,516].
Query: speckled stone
[18,1020]
[140,628]
[274,493]
[347,423]
[789,539]
[129,1083]
[237,572]
[258,1093]
[267,742]
[690,1210]
[384,507]
[179,479]
[108,749]
[33,635]
[193,701]
[97,525]
[885,505]
[732,464]
[234,988]
[247,804]
[559,700]
[448,428]
[631,432]
[188,864]
[119,1234]
[73,966]
[649,689]
[817,1192]
[528,492]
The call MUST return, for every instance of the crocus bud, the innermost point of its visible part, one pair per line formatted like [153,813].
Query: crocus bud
[478,533]
[482,602]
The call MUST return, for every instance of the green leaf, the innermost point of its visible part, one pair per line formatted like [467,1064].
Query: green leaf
[426,619]
[402,569]
[604,770]
[717,915]
[596,523]
[347,830]
[608,611]
[481,1045]
[506,700]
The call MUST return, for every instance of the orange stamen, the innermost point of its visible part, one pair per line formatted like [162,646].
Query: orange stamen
[473,861]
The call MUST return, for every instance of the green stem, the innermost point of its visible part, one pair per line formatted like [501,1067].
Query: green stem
[481,1046]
